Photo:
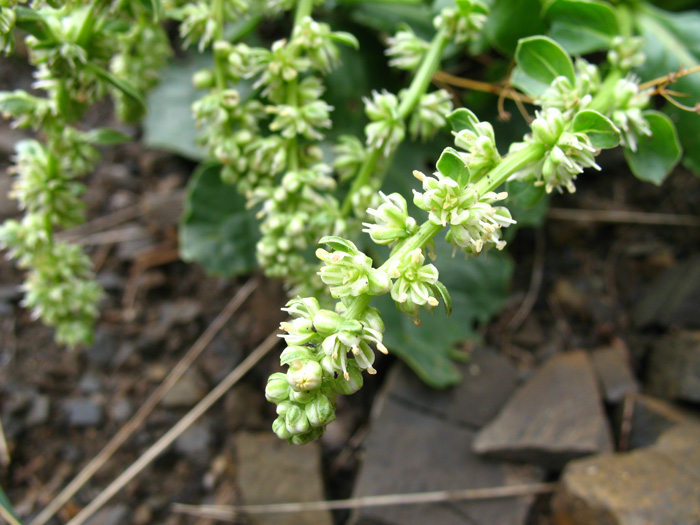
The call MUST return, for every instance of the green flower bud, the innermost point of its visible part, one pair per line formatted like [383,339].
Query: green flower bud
[302,398]
[296,421]
[277,389]
[327,322]
[279,427]
[351,382]
[203,79]
[303,439]
[305,375]
[320,411]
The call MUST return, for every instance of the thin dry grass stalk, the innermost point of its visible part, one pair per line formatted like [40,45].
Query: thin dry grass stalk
[232,513]
[181,426]
[137,420]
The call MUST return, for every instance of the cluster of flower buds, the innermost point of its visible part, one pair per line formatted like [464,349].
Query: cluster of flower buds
[429,116]
[478,140]
[570,97]
[628,114]
[462,21]
[406,50]
[414,284]
[326,354]
[566,153]
[626,53]
[387,129]
[7,24]
[474,223]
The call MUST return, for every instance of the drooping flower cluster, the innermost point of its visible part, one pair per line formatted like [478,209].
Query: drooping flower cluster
[478,139]
[628,115]
[326,355]
[474,223]
[414,283]
[406,50]
[429,116]
[387,129]
[392,223]
[462,21]
[566,155]
[570,97]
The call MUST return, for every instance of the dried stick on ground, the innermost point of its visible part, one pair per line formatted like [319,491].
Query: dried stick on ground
[232,513]
[137,420]
[623,217]
[181,426]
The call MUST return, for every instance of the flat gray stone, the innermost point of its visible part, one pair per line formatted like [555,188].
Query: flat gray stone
[673,299]
[555,417]
[83,412]
[614,373]
[487,381]
[649,418]
[270,470]
[660,484]
[189,389]
[673,369]
[420,441]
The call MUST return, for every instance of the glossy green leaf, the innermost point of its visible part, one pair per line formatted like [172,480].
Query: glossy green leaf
[169,124]
[217,230]
[599,128]
[16,102]
[345,38]
[462,118]
[582,26]
[542,59]
[672,40]
[120,84]
[105,137]
[443,295]
[511,20]
[32,22]
[451,165]
[478,288]
[656,156]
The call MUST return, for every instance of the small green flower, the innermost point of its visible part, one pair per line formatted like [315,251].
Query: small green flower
[387,130]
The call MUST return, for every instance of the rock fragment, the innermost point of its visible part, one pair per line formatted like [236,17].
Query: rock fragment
[270,470]
[660,484]
[614,373]
[553,418]
[422,442]
[673,370]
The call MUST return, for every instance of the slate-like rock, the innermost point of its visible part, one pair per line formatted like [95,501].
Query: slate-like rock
[614,373]
[487,381]
[420,440]
[194,443]
[673,370]
[190,388]
[556,416]
[650,417]
[660,484]
[270,470]
[83,412]
[673,299]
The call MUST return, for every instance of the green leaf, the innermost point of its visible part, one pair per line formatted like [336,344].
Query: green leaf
[528,204]
[582,26]
[656,156]
[543,60]
[217,230]
[452,165]
[169,124]
[599,128]
[478,288]
[16,102]
[32,22]
[670,41]
[462,118]
[345,38]
[441,292]
[105,137]
[339,244]
[511,20]
[386,18]
[122,85]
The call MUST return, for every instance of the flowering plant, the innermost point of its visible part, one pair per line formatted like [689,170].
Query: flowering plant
[291,160]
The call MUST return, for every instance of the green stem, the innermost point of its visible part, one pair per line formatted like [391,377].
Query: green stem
[425,72]
[491,181]
[304,9]
[604,100]
[363,177]
[624,19]
[86,29]
[219,14]
[418,87]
